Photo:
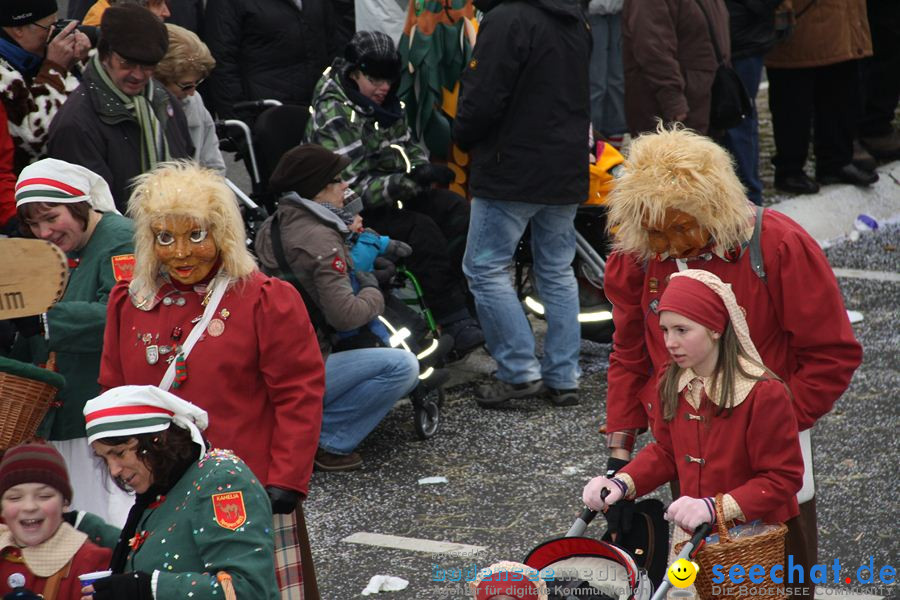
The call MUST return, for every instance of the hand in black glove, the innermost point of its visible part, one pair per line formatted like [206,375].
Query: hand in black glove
[133,586]
[284,502]
[402,189]
[429,173]
[70,516]
[27,326]
[384,270]
[619,516]
[397,249]
[21,593]
[366,279]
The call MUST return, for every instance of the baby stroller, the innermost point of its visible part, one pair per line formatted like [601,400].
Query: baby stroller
[276,128]
[595,312]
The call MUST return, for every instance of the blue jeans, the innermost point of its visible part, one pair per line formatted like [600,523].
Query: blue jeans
[495,228]
[361,387]
[743,141]
[607,75]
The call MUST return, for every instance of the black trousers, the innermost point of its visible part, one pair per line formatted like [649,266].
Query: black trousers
[881,72]
[826,98]
[435,224]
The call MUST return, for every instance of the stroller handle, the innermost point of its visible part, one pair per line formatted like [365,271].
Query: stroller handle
[584,519]
[689,550]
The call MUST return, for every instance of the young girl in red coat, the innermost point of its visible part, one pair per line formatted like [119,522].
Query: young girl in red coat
[723,422]
[38,551]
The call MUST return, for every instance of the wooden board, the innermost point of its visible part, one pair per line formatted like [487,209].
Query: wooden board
[33,276]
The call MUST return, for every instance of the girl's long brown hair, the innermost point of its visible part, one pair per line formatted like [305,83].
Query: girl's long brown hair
[727,366]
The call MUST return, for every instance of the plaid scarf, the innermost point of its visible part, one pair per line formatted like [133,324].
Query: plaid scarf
[154,147]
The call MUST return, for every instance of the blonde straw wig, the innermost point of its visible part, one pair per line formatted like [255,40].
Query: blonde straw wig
[187,56]
[681,169]
[184,189]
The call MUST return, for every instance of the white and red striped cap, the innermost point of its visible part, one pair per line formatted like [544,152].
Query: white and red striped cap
[134,409]
[60,182]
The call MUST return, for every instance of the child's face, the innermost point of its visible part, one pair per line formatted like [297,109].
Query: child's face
[32,511]
[690,344]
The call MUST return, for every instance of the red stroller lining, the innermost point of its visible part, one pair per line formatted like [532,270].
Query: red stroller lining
[561,550]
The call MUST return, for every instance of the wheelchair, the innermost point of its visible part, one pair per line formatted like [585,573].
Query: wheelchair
[265,132]
[592,248]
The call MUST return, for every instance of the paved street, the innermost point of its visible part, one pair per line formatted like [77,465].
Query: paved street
[514,476]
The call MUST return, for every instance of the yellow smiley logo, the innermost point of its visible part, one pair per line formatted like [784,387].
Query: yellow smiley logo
[682,573]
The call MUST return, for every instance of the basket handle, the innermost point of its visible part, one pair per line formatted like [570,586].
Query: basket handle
[51,362]
[720,519]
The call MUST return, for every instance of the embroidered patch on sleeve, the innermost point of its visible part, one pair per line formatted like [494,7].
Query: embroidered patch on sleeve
[339,265]
[229,509]
[123,267]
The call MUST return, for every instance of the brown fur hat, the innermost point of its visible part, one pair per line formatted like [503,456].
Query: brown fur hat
[681,169]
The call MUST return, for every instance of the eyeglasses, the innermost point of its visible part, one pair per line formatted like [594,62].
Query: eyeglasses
[377,81]
[44,27]
[130,65]
[186,87]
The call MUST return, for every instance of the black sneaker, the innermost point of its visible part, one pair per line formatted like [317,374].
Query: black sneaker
[558,397]
[497,392]
[467,336]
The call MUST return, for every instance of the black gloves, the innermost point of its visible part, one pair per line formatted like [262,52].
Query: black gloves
[284,502]
[27,326]
[366,279]
[384,270]
[70,516]
[618,516]
[428,173]
[400,188]
[21,593]
[126,586]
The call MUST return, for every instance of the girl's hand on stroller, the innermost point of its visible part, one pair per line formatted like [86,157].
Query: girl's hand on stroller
[689,512]
[591,494]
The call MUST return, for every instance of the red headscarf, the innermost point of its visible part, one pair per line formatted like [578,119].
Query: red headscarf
[695,300]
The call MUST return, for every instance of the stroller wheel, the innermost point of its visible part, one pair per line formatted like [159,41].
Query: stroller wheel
[428,414]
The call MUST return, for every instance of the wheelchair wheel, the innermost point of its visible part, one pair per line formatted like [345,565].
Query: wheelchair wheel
[427,413]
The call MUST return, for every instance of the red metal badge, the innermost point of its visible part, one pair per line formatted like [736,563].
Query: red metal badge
[338,264]
[123,267]
[229,509]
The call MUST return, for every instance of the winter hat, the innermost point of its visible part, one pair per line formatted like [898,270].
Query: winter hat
[59,182]
[702,297]
[134,33]
[14,13]
[35,462]
[306,169]
[373,53]
[130,410]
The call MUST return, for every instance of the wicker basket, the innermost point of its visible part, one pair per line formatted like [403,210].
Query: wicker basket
[24,401]
[766,550]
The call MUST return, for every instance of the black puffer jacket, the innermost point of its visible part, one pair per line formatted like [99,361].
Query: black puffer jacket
[524,111]
[752,25]
[267,49]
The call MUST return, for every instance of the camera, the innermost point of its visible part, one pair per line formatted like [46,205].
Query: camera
[57,27]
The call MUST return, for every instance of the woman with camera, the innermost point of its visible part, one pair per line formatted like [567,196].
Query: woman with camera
[38,57]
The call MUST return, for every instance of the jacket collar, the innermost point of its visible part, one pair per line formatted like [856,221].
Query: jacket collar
[319,211]
[112,111]
[689,380]
[47,558]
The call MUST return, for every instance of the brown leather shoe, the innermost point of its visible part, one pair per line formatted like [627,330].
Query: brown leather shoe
[326,461]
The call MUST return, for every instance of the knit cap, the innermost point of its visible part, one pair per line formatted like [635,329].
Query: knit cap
[14,13]
[306,169]
[59,182]
[373,53]
[130,410]
[35,462]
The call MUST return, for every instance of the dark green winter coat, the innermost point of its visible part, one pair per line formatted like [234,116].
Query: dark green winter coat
[76,325]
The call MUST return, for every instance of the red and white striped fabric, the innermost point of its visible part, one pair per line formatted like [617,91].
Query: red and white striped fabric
[59,182]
